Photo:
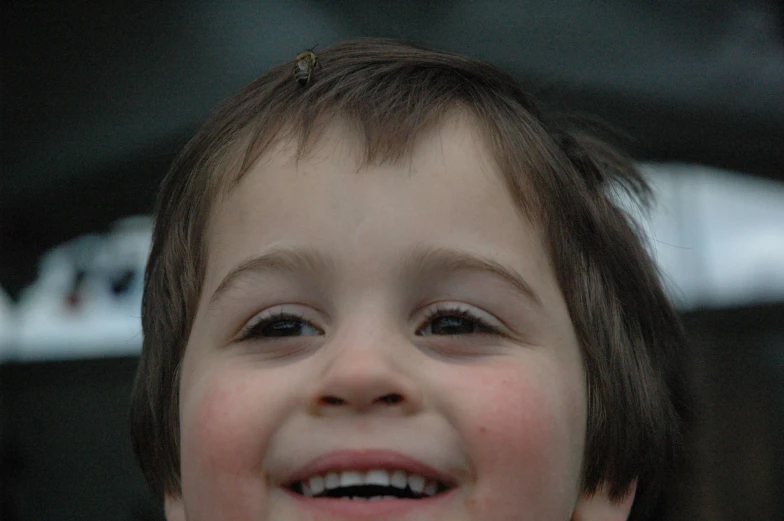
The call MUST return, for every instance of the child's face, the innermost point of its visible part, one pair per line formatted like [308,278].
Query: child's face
[406,318]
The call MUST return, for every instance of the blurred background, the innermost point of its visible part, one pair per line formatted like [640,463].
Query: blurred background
[98,97]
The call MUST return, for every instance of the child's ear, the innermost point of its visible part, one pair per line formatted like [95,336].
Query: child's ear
[175,510]
[599,507]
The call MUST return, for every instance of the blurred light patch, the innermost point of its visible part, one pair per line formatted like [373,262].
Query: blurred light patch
[718,236]
[86,301]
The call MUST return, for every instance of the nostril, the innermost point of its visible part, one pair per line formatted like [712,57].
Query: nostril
[391,399]
[387,399]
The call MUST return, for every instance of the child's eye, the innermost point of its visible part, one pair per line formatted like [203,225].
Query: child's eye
[279,325]
[454,321]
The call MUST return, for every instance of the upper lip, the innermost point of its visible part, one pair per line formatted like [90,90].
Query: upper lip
[368,460]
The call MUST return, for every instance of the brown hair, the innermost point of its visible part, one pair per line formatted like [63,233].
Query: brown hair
[390,92]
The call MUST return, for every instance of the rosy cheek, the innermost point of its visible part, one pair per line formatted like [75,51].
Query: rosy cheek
[223,442]
[525,431]
[219,430]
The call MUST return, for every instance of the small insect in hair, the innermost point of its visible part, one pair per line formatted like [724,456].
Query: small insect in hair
[307,61]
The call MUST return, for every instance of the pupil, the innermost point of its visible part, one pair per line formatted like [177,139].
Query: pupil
[282,328]
[452,326]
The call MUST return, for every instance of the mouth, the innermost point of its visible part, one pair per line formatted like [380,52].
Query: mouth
[390,480]
[370,485]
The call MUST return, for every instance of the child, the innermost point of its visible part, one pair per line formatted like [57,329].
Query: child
[383,285]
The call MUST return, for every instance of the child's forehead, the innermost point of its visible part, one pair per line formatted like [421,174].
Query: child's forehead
[456,144]
[449,164]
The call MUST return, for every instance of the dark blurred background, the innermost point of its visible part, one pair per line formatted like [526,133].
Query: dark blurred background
[98,97]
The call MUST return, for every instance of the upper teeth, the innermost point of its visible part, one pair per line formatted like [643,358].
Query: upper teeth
[348,478]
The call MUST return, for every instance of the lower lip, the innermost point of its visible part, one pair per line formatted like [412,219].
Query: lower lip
[367,509]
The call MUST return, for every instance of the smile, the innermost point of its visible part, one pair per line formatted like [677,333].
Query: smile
[374,484]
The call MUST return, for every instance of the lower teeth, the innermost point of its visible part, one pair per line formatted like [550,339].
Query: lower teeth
[374,498]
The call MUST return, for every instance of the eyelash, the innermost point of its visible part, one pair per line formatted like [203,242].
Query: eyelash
[255,331]
[441,311]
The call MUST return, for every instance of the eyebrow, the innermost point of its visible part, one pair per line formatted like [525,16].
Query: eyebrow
[288,261]
[285,261]
[429,261]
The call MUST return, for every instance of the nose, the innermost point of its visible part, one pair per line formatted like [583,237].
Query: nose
[366,375]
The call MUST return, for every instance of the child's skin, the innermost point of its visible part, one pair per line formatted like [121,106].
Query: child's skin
[502,415]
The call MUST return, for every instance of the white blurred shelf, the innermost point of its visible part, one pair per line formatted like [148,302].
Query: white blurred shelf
[52,352]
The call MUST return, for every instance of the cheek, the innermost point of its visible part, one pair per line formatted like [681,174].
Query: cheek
[219,428]
[525,429]
[224,436]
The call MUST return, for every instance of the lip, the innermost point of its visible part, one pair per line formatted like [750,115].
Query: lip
[368,460]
